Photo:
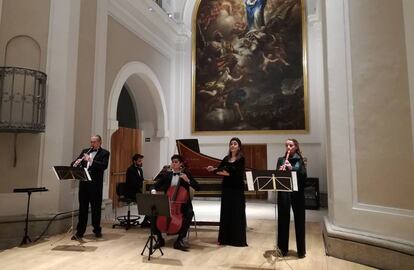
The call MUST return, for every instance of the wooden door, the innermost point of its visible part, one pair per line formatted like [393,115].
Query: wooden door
[125,142]
[256,158]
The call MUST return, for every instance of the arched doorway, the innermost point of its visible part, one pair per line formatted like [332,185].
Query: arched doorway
[137,122]
[125,141]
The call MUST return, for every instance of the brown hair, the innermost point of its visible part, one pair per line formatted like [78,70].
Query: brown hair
[136,157]
[239,153]
[298,151]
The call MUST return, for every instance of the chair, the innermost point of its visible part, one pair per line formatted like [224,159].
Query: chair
[126,221]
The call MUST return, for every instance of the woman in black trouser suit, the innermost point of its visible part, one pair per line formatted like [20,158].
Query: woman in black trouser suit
[292,161]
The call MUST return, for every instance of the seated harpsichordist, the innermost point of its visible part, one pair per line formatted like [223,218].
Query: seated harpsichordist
[134,181]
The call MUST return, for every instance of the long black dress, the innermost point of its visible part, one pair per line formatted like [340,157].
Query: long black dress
[233,205]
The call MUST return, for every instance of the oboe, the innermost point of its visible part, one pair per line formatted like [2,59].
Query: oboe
[283,167]
[78,161]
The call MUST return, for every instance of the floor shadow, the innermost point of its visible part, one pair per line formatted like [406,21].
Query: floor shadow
[105,236]
[161,261]
[77,248]
[250,267]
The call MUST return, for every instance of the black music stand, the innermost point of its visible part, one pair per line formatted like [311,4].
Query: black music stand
[26,238]
[272,180]
[72,173]
[153,205]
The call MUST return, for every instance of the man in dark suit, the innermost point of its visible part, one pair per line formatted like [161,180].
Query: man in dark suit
[176,176]
[134,177]
[134,180]
[95,159]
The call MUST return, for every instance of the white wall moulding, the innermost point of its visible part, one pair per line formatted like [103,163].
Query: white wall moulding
[150,23]
[366,248]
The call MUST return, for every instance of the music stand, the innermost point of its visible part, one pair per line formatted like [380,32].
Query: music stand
[272,180]
[153,205]
[26,238]
[72,173]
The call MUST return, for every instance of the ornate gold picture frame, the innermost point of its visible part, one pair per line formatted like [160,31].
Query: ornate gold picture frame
[249,67]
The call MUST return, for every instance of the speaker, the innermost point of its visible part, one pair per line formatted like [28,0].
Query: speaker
[312,193]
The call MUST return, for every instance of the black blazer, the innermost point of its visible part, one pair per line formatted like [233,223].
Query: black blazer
[133,181]
[163,182]
[99,164]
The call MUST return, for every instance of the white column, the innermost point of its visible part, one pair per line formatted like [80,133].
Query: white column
[61,90]
[98,107]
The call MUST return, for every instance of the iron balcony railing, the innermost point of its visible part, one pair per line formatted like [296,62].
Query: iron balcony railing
[22,100]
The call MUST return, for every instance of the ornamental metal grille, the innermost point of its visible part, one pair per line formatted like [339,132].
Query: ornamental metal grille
[22,100]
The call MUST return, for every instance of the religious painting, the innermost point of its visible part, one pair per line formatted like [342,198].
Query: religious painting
[249,66]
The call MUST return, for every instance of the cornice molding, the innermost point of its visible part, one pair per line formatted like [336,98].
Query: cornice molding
[150,23]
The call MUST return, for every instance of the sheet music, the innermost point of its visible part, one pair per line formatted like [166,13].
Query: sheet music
[294,181]
[54,170]
[249,178]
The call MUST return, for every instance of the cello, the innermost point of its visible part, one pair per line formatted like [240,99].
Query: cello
[177,195]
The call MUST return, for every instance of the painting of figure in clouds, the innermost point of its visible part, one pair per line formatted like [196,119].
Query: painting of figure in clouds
[249,66]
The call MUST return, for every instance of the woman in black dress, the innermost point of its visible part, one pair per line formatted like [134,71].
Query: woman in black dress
[292,160]
[233,205]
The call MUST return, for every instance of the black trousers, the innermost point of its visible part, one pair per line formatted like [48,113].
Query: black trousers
[188,214]
[295,199]
[89,193]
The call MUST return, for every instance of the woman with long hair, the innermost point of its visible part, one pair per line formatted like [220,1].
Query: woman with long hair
[292,160]
[233,204]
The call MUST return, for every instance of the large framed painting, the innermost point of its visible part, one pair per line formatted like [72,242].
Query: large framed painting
[249,66]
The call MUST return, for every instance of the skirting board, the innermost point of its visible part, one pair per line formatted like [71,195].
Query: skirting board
[12,227]
[367,249]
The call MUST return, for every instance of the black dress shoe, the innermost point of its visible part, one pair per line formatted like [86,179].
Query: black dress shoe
[76,237]
[284,253]
[145,224]
[184,243]
[301,255]
[98,235]
[180,245]
[160,243]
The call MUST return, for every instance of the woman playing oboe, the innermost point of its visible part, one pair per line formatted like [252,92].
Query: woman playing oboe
[292,161]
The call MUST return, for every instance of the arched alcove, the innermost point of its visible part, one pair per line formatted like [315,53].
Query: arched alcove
[23,51]
[126,114]
[154,89]
[148,101]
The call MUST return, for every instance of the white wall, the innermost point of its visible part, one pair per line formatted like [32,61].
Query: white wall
[347,209]
[57,141]
[408,8]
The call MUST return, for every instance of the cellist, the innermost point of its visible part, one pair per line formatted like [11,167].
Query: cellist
[168,181]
